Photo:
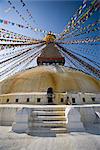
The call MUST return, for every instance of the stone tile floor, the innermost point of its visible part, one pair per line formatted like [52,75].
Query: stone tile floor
[70,141]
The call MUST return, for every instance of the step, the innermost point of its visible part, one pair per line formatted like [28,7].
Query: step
[49,108]
[47,118]
[48,113]
[46,130]
[48,124]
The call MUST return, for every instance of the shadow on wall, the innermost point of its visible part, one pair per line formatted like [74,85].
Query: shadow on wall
[93,128]
[90,117]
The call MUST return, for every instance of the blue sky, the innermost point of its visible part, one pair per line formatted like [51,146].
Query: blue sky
[49,15]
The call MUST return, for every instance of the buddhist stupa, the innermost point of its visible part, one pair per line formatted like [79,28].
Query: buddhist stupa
[50,82]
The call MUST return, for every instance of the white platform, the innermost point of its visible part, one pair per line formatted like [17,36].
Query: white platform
[75,120]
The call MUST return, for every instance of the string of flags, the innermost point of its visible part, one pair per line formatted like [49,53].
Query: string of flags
[15,60]
[14,64]
[14,52]
[93,7]
[13,56]
[13,45]
[25,20]
[16,44]
[9,34]
[22,3]
[21,16]
[87,40]
[83,13]
[16,68]
[14,40]
[89,12]
[7,22]
[88,31]
[7,46]
[28,12]
[97,64]
[89,67]
[83,30]
[89,26]
[21,54]
[8,9]
[77,14]
[84,50]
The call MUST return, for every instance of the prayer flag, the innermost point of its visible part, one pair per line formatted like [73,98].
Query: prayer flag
[1,21]
[5,22]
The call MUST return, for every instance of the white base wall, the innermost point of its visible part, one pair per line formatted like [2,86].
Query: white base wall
[73,120]
[79,115]
[21,121]
[7,115]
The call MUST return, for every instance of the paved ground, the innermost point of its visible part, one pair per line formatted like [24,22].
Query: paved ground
[71,141]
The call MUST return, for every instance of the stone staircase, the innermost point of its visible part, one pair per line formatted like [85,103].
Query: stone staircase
[47,120]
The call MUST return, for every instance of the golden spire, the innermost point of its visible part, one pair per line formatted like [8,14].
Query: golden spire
[50,37]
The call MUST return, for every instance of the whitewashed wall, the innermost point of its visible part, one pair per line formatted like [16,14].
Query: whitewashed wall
[88,98]
[22,98]
[7,115]
[87,112]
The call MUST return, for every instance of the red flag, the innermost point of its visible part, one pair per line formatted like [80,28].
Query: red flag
[5,22]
